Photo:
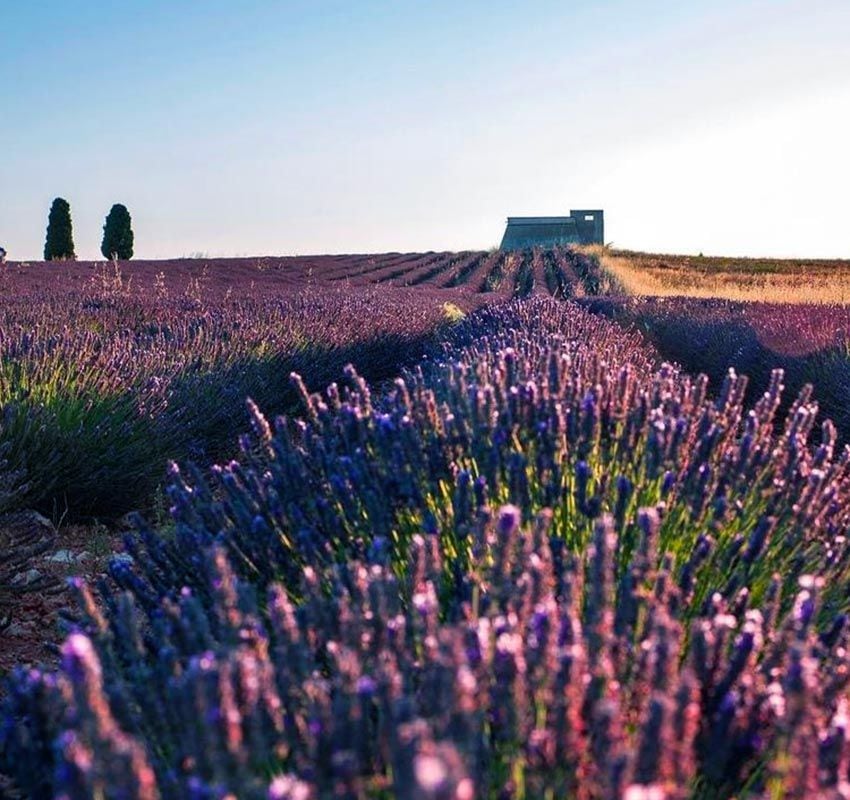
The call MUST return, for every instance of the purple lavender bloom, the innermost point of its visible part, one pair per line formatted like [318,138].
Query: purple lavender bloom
[508,521]
[830,636]
[480,490]
[288,787]
[757,539]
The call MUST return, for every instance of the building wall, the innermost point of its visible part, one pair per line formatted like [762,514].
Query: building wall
[525,232]
[519,236]
[591,231]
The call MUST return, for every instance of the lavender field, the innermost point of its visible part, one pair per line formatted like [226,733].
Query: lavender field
[482,530]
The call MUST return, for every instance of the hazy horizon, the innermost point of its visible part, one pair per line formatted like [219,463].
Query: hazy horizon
[285,128]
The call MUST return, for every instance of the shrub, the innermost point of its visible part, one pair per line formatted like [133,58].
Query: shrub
[808,342]
[524,278]
[59,243]
[117,234]
[540,566]
[100,389]
[533,673]
[595,279]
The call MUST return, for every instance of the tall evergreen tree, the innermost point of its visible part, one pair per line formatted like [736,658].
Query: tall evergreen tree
[117,234]
[60,234]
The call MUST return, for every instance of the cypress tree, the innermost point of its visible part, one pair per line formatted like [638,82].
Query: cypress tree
[117,234]
[60,234]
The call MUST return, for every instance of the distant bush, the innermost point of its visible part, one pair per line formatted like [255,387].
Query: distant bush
[59,243]
[117,234]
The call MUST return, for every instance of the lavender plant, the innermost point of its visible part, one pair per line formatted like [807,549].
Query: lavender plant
[656,609]
[543,406]
[595,280]
[98,391]
[533,675]
[809,343]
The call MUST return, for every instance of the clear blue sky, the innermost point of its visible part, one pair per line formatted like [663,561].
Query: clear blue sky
[258,127]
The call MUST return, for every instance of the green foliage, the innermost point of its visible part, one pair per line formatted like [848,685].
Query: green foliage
[98,391]
[117,234]
[59,244]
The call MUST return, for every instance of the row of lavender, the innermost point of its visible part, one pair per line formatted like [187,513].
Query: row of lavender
[810,343]
[559,271]
[562,272]
[540,566]
[98,390]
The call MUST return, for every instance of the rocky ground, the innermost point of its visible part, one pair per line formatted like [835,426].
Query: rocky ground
[37,591]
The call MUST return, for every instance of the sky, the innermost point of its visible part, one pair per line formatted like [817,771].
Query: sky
[327,126]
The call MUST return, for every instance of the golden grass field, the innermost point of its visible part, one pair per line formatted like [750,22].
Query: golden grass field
[818,281]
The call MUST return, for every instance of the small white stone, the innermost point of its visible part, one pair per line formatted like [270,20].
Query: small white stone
[26,578]
[16,630]
[62,557]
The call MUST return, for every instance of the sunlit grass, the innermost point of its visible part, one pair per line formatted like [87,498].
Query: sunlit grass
[764,280]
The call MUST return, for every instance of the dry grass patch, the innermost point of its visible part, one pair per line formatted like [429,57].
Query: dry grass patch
[746,279]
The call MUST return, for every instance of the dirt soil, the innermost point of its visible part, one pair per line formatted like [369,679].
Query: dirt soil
[36,628]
